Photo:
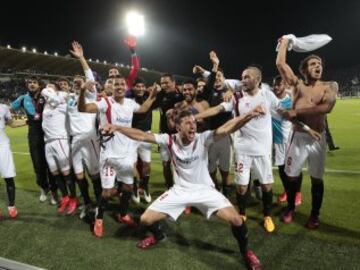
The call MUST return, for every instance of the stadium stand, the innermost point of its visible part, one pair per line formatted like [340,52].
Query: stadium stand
[16,64]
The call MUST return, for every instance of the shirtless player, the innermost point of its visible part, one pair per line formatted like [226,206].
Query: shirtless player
[313,99]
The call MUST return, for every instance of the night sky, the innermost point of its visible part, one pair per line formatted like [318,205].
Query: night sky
[180,34]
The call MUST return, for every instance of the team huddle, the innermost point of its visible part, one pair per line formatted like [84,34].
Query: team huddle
[82,129]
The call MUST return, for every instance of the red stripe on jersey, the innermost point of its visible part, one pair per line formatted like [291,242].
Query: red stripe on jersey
[108,110]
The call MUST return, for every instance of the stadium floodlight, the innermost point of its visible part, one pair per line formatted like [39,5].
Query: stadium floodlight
[23,49]
[135,23]
[90,60]
[55,53]
[105,62]
[34,50]
[8,46]
[116,64]
[45,52]
[97,60]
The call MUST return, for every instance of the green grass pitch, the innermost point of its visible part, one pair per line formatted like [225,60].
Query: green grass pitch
[39,237]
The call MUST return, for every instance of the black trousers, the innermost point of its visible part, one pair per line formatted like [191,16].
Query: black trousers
[44,179]
[329,139]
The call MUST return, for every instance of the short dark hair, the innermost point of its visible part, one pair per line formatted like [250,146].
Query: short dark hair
[79,76]
[33,78]
[181,115]
[277,79]
[304,63]
[139,80]
[168,75]
[117,77]
[63,79]
[200,79]
[189,81]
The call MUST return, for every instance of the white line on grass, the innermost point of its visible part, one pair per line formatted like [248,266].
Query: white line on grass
[13,265]
[274,168]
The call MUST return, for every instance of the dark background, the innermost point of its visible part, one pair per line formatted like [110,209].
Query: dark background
[180,34]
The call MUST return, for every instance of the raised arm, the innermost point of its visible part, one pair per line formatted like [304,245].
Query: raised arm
[150,100]
[78,52]
[82,105]
[237,122]
[284,69]
[132,133]
[135,61]
[210,112]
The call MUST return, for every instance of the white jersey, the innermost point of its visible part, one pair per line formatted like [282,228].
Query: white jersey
[5,117]
[255,138]
[54,122]
[81,124]
[190,161]
[118,114]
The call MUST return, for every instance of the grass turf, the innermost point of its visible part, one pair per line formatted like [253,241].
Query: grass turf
[40,237]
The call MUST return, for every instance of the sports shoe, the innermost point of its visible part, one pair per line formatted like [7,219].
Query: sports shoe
[128,220]
[147,242]
[12,211]
[98,227]
[63,204]
[73,203]
[43,195]
[282,197]
[269,224]
[313,222]
[146,195]
[288,216]
[298,198]
[187,210]
[53,198]
[252,262]
[136,197]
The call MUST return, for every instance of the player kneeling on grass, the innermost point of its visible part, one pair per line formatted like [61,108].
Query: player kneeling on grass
[7,168]
[193,184]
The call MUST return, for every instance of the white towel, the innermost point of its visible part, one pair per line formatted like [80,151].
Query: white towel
[307,43]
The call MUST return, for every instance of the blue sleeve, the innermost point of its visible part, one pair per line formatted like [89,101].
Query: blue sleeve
[16,105]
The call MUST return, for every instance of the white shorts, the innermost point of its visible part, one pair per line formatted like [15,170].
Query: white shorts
[85,152]
[144,151]
[57,153]
[260,167]
[174,201]
[116,168]
[219,154]
[7,168]
[279,153]
[303,147]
